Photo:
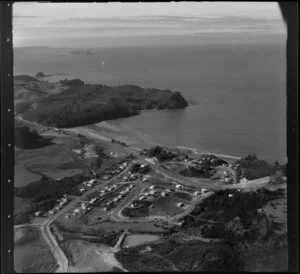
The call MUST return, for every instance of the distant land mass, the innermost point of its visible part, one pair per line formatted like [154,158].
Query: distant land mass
[81,52]
[83,104]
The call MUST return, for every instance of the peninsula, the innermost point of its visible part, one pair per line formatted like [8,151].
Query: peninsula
[82,104]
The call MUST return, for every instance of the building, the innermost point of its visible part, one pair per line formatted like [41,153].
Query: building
[152,187]
[92,181]
[38,213]
[230,195]
[92,201]
[178,186]
[76,210]
[180,204]
[82,189]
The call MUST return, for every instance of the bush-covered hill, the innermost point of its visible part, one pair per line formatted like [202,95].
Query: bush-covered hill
[253,168]
[88,104]
[29,139]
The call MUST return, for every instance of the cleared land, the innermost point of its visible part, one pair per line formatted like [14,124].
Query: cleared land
[31,253]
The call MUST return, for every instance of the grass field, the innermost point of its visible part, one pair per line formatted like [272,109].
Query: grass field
[47,160]
[31,253]
[23,176]
[166,206]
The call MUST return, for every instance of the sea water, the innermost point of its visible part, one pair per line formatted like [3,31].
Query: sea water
[236,91]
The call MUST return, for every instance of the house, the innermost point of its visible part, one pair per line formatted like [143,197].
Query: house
[230,195]
[152,187]
[115,199]
[145,179]
[92,201]
[62,203]
[204,190]
[260,210]
[180,204]
[76,210]
[67,216]
[196,193]
[178,186]
[38,213]
[51,212]
[92,181]
[226,180]
[82,189]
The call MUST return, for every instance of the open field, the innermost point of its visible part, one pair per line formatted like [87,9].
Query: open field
[23,176]
[31,253]
[47,160]
[88,257]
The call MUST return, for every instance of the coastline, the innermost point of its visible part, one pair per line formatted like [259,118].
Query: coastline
[141,140]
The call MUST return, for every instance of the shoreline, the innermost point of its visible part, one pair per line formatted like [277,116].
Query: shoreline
[116,127]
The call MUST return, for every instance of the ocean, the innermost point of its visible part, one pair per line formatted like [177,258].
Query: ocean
[237,91]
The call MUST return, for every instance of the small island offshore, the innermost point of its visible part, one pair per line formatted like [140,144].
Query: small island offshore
[94,196]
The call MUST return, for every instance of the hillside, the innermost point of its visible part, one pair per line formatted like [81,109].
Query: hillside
[88,104]
[29,139]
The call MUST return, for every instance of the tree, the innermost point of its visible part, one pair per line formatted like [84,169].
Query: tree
[276,165]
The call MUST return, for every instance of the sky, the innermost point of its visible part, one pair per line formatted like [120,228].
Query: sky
[80,24]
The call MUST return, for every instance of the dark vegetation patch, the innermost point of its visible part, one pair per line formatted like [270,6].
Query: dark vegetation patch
[141,211]
[242,204]
[89,104]
[136,168]
[40,75]
[29,138]
[234,218]
[172,256]
[160,153]
[211,160]
[199,172]
[252,168]
[182,195]
[72,82]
